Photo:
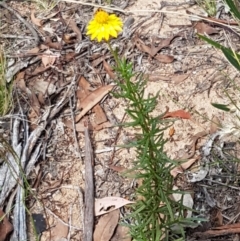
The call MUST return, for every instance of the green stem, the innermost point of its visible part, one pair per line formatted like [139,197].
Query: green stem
[114,53]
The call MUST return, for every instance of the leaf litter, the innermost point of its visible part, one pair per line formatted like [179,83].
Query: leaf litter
[170,49]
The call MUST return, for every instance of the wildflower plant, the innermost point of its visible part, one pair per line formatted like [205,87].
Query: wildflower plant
[153,216]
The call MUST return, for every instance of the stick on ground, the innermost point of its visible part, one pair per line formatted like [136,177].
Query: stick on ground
[89,189]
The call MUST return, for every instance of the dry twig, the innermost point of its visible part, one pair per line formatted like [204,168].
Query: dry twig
[89,189]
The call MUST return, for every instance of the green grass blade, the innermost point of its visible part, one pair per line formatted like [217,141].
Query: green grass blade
[233,8]
[231,55]
[221,106]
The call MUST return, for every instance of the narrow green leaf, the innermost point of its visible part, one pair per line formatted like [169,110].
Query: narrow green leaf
[221,106]
[233,8]
[213,43]
[231,57]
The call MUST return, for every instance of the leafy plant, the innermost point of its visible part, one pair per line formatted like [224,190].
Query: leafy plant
[154,214]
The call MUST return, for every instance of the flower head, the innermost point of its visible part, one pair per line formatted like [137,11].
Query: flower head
[104,26]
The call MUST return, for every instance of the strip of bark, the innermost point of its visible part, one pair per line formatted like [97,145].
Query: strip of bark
[89,189]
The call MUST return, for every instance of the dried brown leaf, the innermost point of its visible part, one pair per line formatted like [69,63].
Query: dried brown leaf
[76,30]
[189,163]
[21,84]
[121,234]
[34,102]
[5,226]
[108,69]
[203,28]
[163,58]
[100,116]
[152,50]
[84,84]
[48,59]
[105,228]
[184,166]
[171,131]
[35,20]
[144,48]
[41,98]
[178,113]
[92,99]
[31,95]
[102,126]
[59,231]
[33,50]
[176,170]
[78,126]
[98,60]
[215,124]
[102,205]
[117,168]
[69,38]
[69,56]
[178,78]
[19,76]
[55,45]
[218,218]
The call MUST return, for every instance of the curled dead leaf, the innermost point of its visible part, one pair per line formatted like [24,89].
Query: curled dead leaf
[163,58]
[203,28]
[152,50]
[48,59]
[35,20]
[92,99]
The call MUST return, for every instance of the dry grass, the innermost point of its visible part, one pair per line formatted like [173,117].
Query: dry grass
[5,88]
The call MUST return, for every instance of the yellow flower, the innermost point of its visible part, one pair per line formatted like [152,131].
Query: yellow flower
[104,26]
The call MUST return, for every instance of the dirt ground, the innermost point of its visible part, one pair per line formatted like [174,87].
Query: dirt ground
[190,78]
